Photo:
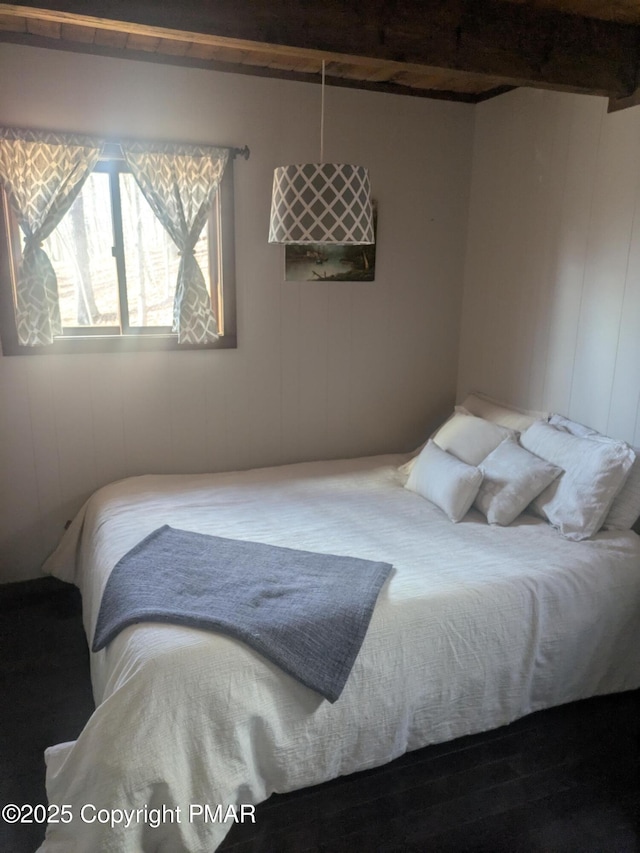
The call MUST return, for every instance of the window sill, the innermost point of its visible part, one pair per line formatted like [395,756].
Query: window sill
[77,344]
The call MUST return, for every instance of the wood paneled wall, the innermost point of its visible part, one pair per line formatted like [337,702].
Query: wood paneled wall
[551,315]
[322,369]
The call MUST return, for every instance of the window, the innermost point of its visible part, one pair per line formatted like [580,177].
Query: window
[117,267]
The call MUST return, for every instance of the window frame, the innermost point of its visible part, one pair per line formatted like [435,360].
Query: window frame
[78,339]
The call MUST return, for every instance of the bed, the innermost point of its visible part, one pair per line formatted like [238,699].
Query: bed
[477,626]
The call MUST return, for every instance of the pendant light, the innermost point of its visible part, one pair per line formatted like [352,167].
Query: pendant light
[321,202]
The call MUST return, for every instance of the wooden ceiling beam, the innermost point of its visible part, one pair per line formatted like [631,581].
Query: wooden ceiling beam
[519,43]
[106,46]
[514,44]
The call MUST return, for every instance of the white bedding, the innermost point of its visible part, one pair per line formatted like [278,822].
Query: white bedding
[478,626]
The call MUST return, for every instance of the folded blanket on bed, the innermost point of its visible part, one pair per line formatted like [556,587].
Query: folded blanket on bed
[306,612]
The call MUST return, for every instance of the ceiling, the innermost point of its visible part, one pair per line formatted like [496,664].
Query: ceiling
[465,50]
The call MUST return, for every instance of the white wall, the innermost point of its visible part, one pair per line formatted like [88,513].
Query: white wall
[551,316]
[322,369]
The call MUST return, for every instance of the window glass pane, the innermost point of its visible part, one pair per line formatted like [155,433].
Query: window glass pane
[151,259]
[80,253]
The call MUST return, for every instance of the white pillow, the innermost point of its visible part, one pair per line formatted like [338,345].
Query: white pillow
[469,438]
[577,502]
[447,482]
[512,478]
[625,509]
[502,413]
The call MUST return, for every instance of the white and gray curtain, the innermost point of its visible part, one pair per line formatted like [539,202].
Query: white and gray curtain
[42,173]
[179,182]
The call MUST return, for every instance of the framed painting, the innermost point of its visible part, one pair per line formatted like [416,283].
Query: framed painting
[328,262]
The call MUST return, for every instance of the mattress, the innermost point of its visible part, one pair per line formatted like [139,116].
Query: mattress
[477,626]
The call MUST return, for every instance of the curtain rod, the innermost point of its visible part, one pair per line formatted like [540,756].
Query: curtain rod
[113,150]
[112,146]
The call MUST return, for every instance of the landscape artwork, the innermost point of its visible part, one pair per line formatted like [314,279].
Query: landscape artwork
[327,262]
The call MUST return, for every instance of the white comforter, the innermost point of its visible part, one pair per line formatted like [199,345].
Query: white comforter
[477,626]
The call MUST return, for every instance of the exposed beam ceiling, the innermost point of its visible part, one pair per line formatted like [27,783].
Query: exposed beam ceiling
[459,49]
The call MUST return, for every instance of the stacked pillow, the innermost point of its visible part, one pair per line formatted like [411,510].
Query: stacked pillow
[512,478]
[445,480]
[594,472]
[469,438]
[516,420]
[625,508]
[574,477]
[472,460]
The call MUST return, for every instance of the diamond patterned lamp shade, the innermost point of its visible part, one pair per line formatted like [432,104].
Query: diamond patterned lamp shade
[321,203]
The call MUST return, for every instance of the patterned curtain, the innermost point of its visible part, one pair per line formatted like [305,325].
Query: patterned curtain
[179,182]
[42,173]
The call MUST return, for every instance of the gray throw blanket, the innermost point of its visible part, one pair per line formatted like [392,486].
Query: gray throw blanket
[306,612]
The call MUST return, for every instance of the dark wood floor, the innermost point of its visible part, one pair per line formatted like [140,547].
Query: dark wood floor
[561,780]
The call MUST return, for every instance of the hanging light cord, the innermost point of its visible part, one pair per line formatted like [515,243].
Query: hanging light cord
[322,119]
